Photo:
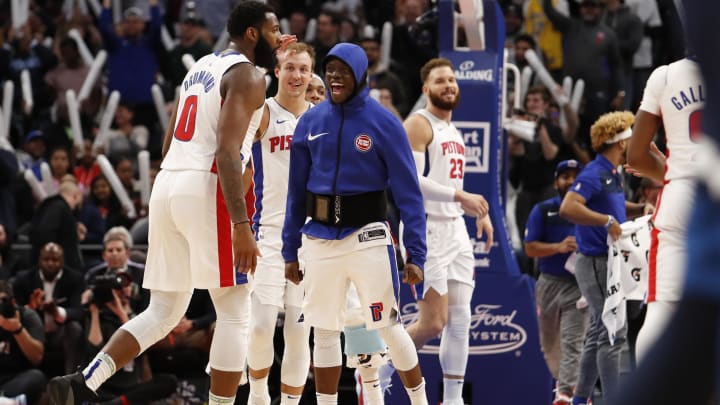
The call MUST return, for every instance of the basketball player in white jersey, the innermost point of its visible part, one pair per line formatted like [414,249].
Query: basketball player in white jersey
[199,234]
[271,291]
[439,152]
[674,98]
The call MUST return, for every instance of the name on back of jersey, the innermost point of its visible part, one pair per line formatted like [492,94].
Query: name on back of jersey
[202,77]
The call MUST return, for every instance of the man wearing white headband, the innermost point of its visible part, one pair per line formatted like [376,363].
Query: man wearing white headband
[596,205]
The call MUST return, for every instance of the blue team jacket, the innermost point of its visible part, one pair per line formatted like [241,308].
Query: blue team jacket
[347,149]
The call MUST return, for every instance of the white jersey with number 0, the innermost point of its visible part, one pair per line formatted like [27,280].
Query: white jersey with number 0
[444,164]
[271,160]
[194,141]
[677,93]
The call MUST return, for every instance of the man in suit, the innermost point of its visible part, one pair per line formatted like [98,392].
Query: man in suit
[54,291]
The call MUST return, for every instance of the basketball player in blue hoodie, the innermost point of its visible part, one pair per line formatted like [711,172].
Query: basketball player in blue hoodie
[345,152]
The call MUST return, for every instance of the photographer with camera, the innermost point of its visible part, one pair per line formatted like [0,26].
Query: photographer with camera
[21,348]
[109,306]
[116,259]
[54,291]
[533,163]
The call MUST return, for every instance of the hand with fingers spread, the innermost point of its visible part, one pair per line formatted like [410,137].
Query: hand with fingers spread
[245,249]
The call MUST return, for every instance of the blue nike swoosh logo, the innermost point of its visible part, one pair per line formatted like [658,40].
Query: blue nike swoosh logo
[281,121]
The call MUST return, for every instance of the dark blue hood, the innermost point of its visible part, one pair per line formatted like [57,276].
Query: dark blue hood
[354,56]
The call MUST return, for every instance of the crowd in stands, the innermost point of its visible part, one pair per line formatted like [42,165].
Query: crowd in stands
[71,298]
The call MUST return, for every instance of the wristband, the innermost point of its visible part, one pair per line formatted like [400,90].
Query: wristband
[17,332]
[610,221]
[244,221]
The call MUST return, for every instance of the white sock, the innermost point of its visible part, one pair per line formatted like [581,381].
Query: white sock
[259,392]
[417,394]
[218,400]
[99,370]
[289,399]
[452,389]
[372,391]
[330,399]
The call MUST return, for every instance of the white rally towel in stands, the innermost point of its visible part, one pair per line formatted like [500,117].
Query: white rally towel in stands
[627,272]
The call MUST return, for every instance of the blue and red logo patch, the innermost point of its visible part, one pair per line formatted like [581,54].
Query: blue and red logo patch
[363,143]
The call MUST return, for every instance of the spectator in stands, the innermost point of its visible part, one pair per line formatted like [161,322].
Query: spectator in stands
[8,175]
[298,24]
[547,37]
[128,137]
[54,221]
[87,167]
[522,44]
[116,259]
[644,58]
[60,164]
[192,42]
[387,76]
[85,24]
[629,32]
[594,56]
[214,12]
[348,29]
[22,52]
[8,262]
[412,44]
[513,23]
[71,74]
[132,63]
[103,197]
[21,349]
[327,35]
[533,163]
[33,150]
[53,291]
[124,168]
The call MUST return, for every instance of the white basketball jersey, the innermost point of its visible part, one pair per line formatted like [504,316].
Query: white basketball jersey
[676,93]
[271,160]
[194,141]
[444,164]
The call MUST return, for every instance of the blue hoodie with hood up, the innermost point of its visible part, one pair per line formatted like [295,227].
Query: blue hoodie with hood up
[352,148]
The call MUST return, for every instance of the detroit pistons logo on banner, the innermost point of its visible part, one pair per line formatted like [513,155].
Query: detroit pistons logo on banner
[492,330]
[363,143]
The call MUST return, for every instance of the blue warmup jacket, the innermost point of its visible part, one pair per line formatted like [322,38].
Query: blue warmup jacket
[330,155]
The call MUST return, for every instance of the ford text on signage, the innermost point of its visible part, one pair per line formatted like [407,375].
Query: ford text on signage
[466,71]
[492,330]
[477,145]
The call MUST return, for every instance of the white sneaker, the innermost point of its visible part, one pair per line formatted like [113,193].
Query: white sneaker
[374,360]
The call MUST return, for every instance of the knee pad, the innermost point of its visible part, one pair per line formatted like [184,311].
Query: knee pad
[164,312]
[327,348]
[401,347]
[296,358]
[454,344]
[262,331]
[359,340]
[229,345]
[458,325]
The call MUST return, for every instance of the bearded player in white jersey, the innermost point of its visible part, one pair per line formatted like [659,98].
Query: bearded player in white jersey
[271,292]
[199,234]
[439,152]
[674,98]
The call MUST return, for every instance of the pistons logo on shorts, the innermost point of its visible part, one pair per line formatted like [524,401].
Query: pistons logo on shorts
[376,311]
[363,143]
